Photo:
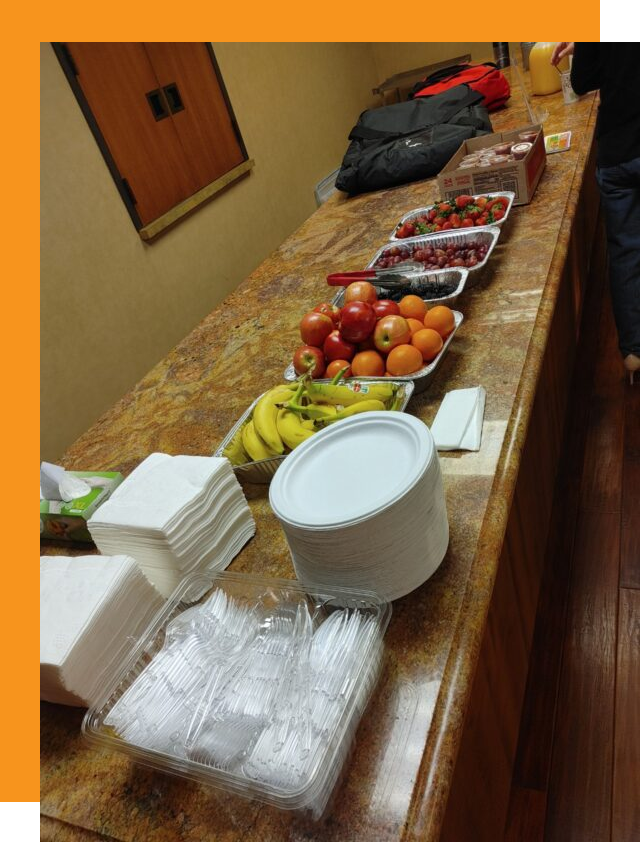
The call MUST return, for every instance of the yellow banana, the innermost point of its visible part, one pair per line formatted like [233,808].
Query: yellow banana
[343,396]
[264,417]
[254,445]
[354,409]
[290,428]
[309,425]
[328,393]
[234,451]
[379,391]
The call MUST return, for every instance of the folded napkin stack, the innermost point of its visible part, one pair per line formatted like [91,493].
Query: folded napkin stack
[458,424]
[92,608]
[175,515]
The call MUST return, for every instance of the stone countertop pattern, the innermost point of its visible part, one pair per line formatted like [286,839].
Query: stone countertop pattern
[397,782]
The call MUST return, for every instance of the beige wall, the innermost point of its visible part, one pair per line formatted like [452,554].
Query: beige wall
[395,57]
[111,306]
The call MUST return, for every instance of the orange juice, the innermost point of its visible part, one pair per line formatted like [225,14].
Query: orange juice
[545,79]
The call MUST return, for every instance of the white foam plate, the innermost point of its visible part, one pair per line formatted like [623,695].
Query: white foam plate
[351,470]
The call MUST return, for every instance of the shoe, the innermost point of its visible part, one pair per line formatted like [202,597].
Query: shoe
[632,364]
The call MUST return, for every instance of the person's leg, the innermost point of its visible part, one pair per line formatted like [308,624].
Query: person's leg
[620,190]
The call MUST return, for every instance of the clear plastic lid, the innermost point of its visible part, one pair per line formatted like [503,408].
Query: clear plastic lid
[257,689]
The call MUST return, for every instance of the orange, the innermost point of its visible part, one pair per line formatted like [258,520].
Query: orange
[404,359]
[440,318]
[428,342]
[415,324]
[367,364]
[412,307]
[337,365]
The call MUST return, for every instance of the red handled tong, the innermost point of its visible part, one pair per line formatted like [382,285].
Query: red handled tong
[395,276]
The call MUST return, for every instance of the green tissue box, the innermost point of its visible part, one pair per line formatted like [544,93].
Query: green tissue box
[67,521]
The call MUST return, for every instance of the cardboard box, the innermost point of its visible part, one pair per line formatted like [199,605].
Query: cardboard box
[60,521]
[521,177]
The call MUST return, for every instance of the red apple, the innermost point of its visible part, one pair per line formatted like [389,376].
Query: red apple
[329,310]
[367,345]
[336,348]
[385,307]
[314,328]
[360,291]
[391,331]
[308,359]
[357,320]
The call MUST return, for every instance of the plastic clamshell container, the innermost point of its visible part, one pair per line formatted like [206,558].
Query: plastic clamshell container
[448,276]
[174,721]
[485,236]
[509,195]
[421,378]
[263,470]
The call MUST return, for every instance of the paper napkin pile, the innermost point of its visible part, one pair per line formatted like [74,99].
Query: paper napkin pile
[458,424]
[92,610]
[175,515]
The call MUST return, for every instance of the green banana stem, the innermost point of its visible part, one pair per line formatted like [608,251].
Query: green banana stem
[294,400]
[313,410]
[337,377]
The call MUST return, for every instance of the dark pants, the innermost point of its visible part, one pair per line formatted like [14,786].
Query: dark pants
[620,189]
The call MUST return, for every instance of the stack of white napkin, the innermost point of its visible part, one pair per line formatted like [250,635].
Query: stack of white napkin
[92,610]
[458,424]
[175,515]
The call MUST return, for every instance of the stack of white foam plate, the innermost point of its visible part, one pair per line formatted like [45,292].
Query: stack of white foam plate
[362,505]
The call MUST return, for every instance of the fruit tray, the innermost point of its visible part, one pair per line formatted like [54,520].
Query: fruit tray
[263,470]
[409,217]
[420,378]
[484,236]
[456,278]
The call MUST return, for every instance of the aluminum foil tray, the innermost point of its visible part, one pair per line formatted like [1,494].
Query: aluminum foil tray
[455,276]
[487,236]
[409,217]
[263,470]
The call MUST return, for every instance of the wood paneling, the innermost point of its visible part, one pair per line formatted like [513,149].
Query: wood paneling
[630,526]
[114,78]
[632,421]
[526,815]
[579,797]
[533,760]
[479,797]
[601,487]
[626,770]
[204,127]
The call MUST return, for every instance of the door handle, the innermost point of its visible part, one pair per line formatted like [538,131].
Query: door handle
[174,99]
[157,104]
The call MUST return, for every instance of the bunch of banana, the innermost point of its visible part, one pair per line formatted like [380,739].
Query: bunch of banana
[259,438]
[287,415]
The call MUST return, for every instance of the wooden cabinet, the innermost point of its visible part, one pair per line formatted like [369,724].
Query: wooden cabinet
[161,116]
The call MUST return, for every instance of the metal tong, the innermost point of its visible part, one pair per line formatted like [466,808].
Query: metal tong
[392,278]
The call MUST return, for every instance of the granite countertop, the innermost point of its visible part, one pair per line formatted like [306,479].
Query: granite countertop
[399,776]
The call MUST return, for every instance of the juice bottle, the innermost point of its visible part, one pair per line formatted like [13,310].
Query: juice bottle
[545,79]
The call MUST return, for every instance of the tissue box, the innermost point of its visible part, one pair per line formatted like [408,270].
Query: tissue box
[60,521]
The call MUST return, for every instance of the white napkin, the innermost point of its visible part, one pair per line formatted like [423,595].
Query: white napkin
[92,609]
[458,423]
[175,515]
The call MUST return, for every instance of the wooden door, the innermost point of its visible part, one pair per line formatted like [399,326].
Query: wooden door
[204,124]
[115,79]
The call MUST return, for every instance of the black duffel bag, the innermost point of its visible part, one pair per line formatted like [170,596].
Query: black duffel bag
[411,140]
